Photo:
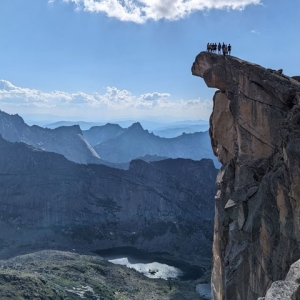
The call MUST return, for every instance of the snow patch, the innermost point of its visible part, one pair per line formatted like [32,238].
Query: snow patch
[150,270]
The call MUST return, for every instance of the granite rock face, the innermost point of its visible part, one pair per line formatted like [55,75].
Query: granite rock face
[255,134]
[49,202]
[288,289]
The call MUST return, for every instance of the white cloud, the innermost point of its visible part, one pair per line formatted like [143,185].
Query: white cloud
[140,11]
[254,31]
[113,101]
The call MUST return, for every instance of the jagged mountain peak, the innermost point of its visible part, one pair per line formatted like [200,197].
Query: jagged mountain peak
[136,127]
[112,125]
[105,126]
[65,140]
[68,129]
[12,117]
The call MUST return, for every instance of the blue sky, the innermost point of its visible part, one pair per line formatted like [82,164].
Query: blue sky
[101,60]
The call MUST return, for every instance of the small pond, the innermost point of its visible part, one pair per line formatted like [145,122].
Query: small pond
[152,264]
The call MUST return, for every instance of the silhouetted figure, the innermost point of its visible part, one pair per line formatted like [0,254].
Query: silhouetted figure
[223,48]
[213,47]
[210,47]
[229,49]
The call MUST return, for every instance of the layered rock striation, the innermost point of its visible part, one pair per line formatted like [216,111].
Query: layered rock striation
[255,134]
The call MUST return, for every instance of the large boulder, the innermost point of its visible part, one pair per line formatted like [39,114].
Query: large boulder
[288,289]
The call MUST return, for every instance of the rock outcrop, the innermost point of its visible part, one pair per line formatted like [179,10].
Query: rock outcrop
[49,202]
[255,134]
[288,289]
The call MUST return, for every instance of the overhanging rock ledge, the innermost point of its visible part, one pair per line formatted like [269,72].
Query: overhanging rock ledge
[255,133]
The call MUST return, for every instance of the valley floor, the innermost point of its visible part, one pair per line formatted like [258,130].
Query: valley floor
[52,275]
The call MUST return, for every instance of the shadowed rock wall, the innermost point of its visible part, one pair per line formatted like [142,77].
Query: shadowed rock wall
[49,202]
[255,134]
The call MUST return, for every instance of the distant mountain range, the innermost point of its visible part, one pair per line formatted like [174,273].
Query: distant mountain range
[123,145]
[47,201]
[167,130]
[177,130]
[99,134]
[82,124]
[108,144]
[67,141]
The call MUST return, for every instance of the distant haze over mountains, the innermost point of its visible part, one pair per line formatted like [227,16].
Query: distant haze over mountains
[108,144]
[149,123]
[66,188]
[162,129]
[134,141]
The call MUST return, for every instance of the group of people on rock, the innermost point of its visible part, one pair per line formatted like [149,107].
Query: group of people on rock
[213,47]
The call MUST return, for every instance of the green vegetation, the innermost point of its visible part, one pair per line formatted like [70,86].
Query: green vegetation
[56,275]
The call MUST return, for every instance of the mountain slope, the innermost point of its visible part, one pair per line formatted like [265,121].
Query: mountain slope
[49,202]
[99,134]
[67,141]
[57,275]
[137,142]
[174,131]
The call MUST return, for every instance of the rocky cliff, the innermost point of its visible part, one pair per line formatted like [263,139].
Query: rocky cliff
[49,202]
[288,289]
[255,134]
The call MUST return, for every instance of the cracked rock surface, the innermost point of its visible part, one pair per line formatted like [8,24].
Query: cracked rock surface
[255,134]
[289,289]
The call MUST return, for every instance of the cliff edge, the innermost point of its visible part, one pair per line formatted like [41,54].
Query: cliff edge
[255,134]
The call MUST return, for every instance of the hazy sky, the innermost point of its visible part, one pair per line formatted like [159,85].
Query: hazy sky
[105,59]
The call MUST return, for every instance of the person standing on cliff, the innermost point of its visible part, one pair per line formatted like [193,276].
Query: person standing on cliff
[219,48]
[229,49]
[223,48]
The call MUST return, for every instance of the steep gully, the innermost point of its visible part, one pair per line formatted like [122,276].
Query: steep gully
[255,134]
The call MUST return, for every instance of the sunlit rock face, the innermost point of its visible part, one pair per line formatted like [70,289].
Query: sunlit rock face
[255,133]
